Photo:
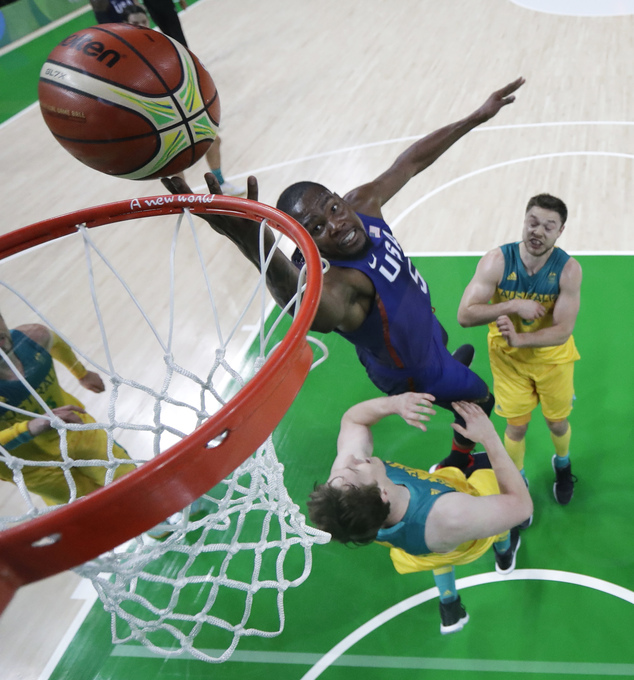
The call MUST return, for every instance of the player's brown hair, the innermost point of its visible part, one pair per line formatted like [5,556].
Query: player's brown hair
[549,202]
[351,514]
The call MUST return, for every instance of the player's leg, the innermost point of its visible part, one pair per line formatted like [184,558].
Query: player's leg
[515,440]
[505,549]
[453,615]
[516,397]
[456,382]
[556,391]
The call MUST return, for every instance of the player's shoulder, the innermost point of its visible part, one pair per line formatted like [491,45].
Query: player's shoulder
[348,277]
[364,200]
[492,263]
[36,332]
[572,271]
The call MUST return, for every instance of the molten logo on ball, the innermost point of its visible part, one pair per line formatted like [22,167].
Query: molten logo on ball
[129,101]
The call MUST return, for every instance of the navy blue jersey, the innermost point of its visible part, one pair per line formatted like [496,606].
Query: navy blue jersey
[401,344]
[398,329]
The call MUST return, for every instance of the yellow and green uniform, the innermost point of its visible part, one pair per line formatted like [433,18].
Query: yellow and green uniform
[48,482]
[406,539]
[524,376]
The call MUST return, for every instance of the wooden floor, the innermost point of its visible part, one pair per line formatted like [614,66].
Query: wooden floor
[332,91]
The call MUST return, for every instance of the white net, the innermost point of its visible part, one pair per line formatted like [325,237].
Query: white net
[159,335]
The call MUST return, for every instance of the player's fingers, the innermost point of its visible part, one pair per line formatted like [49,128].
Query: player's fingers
[459,429]
[252,188]
[167,183]
[415,422]
[511,87]
[212,183]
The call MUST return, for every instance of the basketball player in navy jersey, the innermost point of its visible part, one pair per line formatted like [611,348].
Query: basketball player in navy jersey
[372,294]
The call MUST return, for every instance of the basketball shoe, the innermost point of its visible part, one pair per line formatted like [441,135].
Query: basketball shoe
[505,562]
[564,486]
[464,354]
[462,461]
[453,617]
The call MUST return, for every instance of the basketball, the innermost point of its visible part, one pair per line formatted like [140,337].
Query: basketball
[129,101]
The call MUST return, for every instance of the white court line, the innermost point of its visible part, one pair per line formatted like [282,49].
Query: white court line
[503,164]
[479,579]
[83,591]
[574,668]
[335,656]
[412,138]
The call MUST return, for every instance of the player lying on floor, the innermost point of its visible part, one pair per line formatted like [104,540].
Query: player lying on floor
[430,522]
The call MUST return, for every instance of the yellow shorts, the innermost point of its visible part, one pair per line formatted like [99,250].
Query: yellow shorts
[520,386]
[49,482]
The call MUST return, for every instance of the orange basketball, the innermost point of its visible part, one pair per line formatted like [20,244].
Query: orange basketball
[129,101]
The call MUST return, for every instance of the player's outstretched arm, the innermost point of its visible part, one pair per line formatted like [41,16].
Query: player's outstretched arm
[369,198]
[61,351]
[282,275]
[339,299]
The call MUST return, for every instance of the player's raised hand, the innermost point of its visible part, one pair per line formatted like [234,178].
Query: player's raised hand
[415,408]
[477,426]
[214,186]
[176,185]
[498,99]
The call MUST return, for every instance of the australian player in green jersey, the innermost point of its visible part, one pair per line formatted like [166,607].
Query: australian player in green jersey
[529,293]
[430,522]
[29,446]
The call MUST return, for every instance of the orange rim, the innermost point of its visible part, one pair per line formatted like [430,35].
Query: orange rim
[106,518]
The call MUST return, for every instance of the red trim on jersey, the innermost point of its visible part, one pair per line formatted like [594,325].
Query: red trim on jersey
[386,334]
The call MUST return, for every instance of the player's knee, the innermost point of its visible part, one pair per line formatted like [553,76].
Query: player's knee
[516,427]
[558,427]
[488,404]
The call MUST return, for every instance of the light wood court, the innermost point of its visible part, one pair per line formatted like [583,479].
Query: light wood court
[332,91]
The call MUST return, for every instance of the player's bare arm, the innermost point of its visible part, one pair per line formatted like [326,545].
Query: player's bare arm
[564,314]
[369,198]
[346,294]
[474,308]
[355,436]
[38,333]
[457,517]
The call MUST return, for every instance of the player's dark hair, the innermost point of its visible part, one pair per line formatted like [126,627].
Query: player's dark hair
[548,202]
[351,514]
[292,195]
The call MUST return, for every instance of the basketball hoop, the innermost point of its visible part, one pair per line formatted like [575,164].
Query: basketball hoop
[53,540]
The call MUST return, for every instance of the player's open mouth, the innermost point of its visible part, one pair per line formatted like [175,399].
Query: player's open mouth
[348,238]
